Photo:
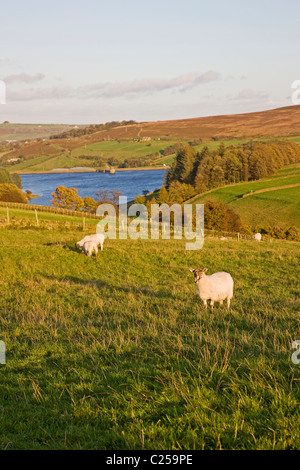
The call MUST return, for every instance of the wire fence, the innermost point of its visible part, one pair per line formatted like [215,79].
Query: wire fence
[222,235]
[53,210]
[15,222]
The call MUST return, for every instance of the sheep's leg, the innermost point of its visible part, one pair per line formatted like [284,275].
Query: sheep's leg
[221,302]
[205,303]
[228,303]
[101,246]
[212,304]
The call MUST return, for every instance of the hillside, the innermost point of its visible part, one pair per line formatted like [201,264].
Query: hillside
[271,201]
[146,144]
[272,123]
[16,132]
[96,360]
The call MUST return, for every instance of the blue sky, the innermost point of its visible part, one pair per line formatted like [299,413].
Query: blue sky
[94,61]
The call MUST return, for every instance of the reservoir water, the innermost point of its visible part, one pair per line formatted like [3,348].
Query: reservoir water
[130,183]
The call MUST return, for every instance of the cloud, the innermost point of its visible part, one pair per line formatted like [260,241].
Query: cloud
[31,94]
[24,78]
[113,90]
[149,85]
[249,94]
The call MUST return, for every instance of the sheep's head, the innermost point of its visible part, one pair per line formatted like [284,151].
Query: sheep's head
[198,274]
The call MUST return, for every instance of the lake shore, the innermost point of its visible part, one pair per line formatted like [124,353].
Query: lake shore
[89,170]
[129,183]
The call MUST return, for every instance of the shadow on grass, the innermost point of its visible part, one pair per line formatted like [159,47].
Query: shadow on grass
[100,284]
[64,246]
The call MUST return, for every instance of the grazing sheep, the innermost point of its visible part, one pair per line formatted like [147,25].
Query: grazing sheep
[97,238]
[216,287]
[257,237]
[89,247]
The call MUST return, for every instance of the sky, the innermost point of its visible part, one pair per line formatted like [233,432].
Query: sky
[94,61]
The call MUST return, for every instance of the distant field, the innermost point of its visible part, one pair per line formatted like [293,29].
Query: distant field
[281,122]
[83,156]
[214,145]
[120,143]
[274,207]
[123,149]
[13,131]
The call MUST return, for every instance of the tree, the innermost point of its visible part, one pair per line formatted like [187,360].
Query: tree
[106,195]
[5,176]
[180,192]
[67,198]
[218,175]
[16,179]
[233,168]
[221,149]
[199,183]
[182,167]
[218,216]
[11,193]
[163,196]
[89,205]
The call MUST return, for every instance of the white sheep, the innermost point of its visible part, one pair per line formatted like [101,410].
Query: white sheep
[216,287]
[96,238]
[89,247]
[257,237]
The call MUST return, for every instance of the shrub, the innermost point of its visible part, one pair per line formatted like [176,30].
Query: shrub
[5,176]
[67,198]
[291,233]
[218,216]
[11,193]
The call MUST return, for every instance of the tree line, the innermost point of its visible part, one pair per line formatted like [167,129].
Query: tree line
[204,170]
[86,130]
[68,198]
[11,187]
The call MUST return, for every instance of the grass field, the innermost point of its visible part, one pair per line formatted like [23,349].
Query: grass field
[116,352]
[279,204]
[124,149]
[12,131]
[80,152]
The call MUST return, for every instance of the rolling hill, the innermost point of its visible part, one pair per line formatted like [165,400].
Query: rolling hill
[19,132]
[272,123]
[144,144]
[271,201]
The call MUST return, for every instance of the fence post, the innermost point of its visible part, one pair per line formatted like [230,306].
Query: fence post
[83,223]
[238,236]
[37,219]
[7,211]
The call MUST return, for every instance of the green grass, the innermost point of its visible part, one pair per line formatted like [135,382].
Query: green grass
[106,150]
[47,163]
[44,216]
[116,352]
[275,207]
[119,150]
[295,168]
[126,149]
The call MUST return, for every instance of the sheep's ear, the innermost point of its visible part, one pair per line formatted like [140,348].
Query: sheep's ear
[192,270]
[204,270]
